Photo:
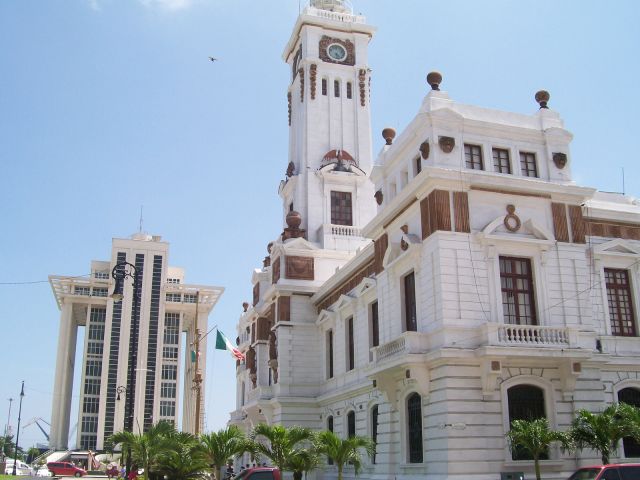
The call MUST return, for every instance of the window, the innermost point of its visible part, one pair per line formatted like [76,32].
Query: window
[518,303]
[88,442]
[167,408]
[418,163]
[99,292]
[619,300]
[351,424]
[473,157]
[528,164]
[93,368]
[324,86]
[96,331]
[375,329]
[174,297]
[341,208]
[414,428]
[81,291]
[189,298]
[101,275]
[501,162]
[350,345]
[169,372]
[526,402]
[168,390]
[174,281]
[170,353]
[171,328]
[330,354]
[374,429]
[92,386]
[410,316]
[89,424]
[330,423]
[336,88]
[95,348]
[630,396]
[90,404]
[349,90]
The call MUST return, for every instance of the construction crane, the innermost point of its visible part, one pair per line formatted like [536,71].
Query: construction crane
[37,421]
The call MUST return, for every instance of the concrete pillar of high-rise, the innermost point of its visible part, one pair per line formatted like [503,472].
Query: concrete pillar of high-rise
[63,382]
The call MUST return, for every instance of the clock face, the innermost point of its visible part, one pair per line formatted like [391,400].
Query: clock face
[336,52]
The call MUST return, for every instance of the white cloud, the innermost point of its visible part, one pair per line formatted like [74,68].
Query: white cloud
[95,5]
[167,4]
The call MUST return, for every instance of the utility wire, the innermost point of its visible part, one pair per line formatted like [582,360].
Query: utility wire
[41,281]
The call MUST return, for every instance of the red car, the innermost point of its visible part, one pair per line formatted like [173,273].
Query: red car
[259,473]
[618,471]
[65,469]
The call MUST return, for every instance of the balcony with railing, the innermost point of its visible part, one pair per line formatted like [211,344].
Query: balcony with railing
[407,343]
[498,334]
[340,237]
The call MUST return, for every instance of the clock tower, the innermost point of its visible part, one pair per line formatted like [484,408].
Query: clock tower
[330,155]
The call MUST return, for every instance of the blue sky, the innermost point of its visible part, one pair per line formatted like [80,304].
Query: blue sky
[107,105]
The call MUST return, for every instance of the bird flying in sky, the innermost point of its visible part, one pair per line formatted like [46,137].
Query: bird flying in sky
[213,59]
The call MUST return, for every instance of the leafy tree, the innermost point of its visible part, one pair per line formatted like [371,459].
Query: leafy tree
[301,461]
[222,445]
[32,453]
[602,431]
[343,451]
[146,447]
[282,442]
[184,459]
[535,437]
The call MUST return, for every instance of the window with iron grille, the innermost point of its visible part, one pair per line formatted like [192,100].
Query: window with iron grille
[528,165]
[336,88]
[620,303]
[410,314]
[374,429]
[349,90]
[518,301]
[341,213]
[375,329]
[324,86]
[330,354]
[350,345]
[526,402]
[351,424]
[501,162]
[630,396]
[414,428]
[473,157]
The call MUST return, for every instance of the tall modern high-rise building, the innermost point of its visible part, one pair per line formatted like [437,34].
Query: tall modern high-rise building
[168,307]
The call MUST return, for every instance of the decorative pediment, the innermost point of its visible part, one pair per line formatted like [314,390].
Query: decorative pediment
[618,247]
[299,243]
[325,315]
[343,301]
[365,285]
[529,228]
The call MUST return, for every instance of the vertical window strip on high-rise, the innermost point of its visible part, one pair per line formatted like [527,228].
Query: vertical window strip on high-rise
[152,345]
[114,347]
[136,319]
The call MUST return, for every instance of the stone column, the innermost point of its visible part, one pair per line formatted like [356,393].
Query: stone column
[63,382]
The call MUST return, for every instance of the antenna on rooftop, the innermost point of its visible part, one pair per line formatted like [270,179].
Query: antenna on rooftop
[141,219]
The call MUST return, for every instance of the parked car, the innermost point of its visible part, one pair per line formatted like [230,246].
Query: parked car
[21,468]
[625,471]
[43,471]
[65,469]
[259,473]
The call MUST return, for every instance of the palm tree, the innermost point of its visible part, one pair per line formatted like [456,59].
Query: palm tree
[343,451]
[602,431]
[184,459]
[535,437]
[301,461]
[282,442]
[147,447]
[222,445]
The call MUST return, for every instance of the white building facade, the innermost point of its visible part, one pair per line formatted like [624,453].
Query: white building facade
[169,309]
[485,286]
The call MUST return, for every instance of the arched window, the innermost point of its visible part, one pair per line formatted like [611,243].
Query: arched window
[351,424]
[414,428]
[374,429]
[526,402]
[630,396]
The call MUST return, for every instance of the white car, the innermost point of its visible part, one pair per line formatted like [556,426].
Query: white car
[21,468]
[43,471]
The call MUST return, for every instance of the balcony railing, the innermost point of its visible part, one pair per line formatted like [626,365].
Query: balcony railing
[532,335]
[340,230]
[407,343]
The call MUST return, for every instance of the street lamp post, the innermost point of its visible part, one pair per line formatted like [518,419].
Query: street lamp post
[120,272]
[15,456]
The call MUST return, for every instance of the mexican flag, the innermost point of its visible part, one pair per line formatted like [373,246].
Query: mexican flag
[223,343]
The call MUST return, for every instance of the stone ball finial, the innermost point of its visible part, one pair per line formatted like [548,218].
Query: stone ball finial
[434,79]
[245,306]
[542,97]
[294,219]
[389,134]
